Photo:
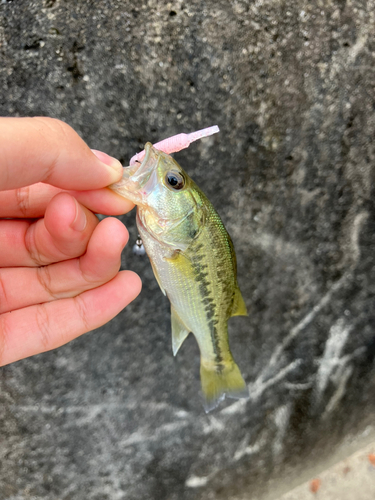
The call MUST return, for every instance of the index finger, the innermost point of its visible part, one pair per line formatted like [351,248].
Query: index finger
[48,150]
[32,201]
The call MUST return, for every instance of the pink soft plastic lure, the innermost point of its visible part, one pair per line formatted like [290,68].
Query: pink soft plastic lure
[177,142]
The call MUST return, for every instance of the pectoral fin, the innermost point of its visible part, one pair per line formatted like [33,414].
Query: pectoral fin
[157,278]
[176,257]
[239,306]
[179,331]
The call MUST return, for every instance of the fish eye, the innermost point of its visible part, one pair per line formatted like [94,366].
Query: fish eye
[175,180]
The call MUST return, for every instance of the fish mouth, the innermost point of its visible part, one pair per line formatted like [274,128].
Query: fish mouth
[135,177]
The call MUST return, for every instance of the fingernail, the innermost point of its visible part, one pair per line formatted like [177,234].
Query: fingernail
[80,219]
[115,165]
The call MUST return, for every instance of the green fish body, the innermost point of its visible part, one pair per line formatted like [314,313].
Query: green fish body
[193,260]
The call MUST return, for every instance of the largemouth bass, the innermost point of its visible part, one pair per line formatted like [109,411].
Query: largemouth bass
[193,260]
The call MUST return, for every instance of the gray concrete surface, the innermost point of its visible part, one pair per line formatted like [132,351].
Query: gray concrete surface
[113,415]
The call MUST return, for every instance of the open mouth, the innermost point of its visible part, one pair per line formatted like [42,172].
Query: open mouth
[135,177]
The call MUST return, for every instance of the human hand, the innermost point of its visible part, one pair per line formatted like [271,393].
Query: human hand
[59,266]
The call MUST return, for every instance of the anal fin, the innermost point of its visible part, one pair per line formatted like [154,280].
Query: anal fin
[239,306]
[179,331]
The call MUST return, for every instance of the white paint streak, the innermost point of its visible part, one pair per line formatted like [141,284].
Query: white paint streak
[302,325]
[337,338]
[143,436]
[246,449]
[214,424]
[299,387]
[196,481]
[240,452]
[277,356]
[259,386]
[182,414]
[281,418]
[354,237]
[340,391]
[87,413]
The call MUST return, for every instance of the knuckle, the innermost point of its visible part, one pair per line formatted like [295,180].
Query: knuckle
[23,199]
[83,312]
[3,294]
[91,278]
[54,131]
[5,335]
[44,277]
[60,129]
[54,125]
[32,247]
[43,324]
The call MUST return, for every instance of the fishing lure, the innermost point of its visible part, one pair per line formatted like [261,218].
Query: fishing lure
[177,142]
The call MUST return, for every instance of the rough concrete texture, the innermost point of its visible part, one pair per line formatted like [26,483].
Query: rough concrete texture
[113,415]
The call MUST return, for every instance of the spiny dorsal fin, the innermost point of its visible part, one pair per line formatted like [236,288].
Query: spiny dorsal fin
[239,306]
[179,331]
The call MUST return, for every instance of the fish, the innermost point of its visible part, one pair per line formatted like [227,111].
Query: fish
[194,262]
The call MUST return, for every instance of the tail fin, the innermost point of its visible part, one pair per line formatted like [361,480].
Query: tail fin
[221,380]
